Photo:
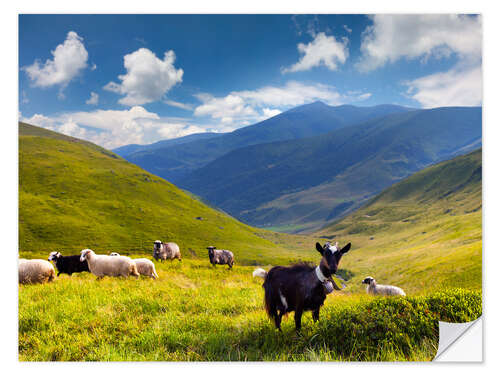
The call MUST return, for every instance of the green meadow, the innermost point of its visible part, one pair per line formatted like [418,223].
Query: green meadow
[423,234]
[196,313]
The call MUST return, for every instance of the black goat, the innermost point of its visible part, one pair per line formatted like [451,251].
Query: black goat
[301,287]
[68,264]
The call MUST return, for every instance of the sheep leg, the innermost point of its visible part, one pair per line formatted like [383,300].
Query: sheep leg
[315,315]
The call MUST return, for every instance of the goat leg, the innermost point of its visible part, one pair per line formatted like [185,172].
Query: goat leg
[315,315]
[298,318]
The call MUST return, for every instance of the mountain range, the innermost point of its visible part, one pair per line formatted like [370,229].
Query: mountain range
[313,180]
[176,161]
[312,164]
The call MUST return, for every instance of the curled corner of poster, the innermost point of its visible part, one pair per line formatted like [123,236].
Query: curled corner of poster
[460,342]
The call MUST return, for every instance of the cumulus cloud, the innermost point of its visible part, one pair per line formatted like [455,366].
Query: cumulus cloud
[323,50]
[393,37]
[424,37]
[69,59]
[225,108]
[457,87]
[113,128]
[148,78]
[93,100]
[268,112]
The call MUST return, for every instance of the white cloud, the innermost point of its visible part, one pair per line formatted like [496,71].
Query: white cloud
[224,108]
[393,37]
[148,78]
[173,103]
[268,112]
[292,94]
[93,100]
[69,59]
[93,67]
[457,87]
[346,28]
[323,50]
[424,37]
[173,130]
[112,128]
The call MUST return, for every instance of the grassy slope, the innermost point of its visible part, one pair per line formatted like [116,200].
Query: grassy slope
[73,195]
[423,233]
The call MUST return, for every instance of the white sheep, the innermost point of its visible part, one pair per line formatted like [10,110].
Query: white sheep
[35,271]
[259,272]
[384,290]
[105,265]
[113,254]
[146,267]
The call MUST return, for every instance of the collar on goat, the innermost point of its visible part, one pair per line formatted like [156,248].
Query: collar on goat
[322,278]
[326,280]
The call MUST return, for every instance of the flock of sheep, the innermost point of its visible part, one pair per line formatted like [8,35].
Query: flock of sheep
[33,271]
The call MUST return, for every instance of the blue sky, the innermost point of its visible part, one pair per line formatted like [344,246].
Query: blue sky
[120,79]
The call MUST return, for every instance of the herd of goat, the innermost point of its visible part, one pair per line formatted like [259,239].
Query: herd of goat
[298,288]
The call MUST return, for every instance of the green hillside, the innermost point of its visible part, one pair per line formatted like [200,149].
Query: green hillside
[74,194]
[423,233]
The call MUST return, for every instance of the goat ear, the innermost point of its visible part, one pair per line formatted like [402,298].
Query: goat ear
[346,248]
[320,248]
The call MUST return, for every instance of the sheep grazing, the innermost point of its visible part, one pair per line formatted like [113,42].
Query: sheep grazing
[163,251]
[105,265]
[146,268]
[68,264]
[32,271]
[220,256]
[382,290]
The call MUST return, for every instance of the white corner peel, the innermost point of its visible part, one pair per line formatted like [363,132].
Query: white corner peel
[460,342]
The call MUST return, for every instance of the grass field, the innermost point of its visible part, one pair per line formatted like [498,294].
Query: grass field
[195,312]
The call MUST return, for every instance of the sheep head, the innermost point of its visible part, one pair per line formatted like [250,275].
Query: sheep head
[54,255]
[369,280]
[84,254]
